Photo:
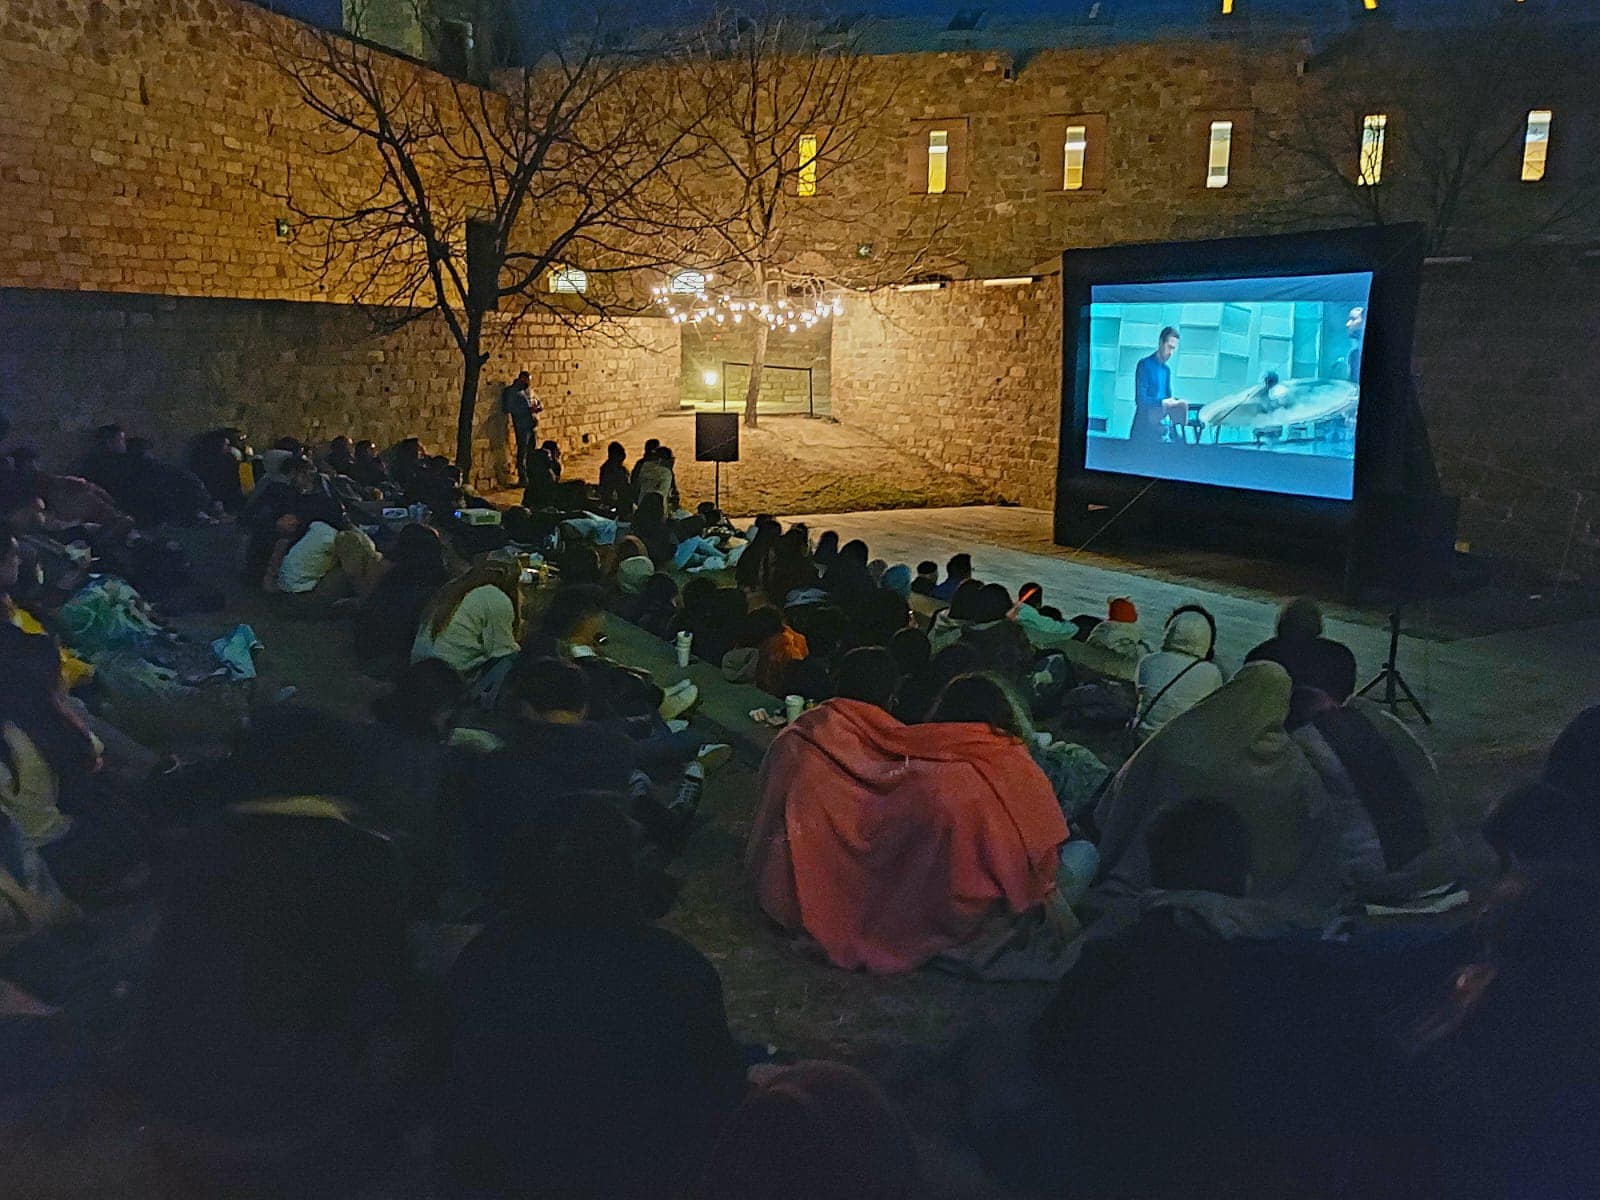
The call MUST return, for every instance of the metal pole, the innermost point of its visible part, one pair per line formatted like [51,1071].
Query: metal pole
[811,394]
[724,385]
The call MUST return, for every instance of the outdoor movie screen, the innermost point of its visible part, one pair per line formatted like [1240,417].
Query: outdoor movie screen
[1246,383]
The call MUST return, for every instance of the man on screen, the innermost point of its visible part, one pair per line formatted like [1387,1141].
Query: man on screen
[1152,391]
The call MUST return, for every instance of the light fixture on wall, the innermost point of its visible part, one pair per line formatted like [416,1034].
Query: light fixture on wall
[921,287]
[1011,281]
[709,378]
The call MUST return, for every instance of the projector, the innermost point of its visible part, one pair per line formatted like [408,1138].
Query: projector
[479,516]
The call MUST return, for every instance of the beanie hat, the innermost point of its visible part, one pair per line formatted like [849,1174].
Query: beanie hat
[1121,609]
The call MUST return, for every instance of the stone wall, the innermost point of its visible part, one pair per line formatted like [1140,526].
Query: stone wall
[170,367]
[969,378]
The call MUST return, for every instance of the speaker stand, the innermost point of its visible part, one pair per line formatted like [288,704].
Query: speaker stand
[1390,679]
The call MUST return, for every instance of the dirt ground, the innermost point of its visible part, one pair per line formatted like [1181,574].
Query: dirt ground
[793,465]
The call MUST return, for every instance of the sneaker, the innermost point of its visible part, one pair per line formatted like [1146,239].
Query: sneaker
[714,757]
[679,701]
[689,791]
[677,725]
[683,685]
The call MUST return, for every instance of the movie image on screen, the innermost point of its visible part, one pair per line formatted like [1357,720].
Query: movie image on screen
[1246,383]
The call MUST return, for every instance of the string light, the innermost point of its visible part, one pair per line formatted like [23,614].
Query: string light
[686,308]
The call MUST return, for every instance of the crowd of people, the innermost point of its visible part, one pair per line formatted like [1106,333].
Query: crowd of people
[1191,886]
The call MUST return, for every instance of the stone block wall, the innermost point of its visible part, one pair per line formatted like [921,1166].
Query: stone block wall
[968,377]
[169,367]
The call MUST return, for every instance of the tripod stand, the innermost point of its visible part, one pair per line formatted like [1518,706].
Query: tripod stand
[1389,676]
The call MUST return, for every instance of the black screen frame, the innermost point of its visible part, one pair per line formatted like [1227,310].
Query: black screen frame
[1392,253]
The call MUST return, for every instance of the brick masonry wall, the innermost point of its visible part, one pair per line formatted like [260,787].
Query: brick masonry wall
[969,378]
[169,367]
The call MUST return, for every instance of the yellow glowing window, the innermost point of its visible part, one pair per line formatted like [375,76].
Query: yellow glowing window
[1536,145]
[1076,148]
[1221,152]
[1373,128]
[1370,5]
[806,184]
[1227,8]
[938,160]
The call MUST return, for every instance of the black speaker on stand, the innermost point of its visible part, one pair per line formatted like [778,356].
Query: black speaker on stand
[716,440]
[1403,548]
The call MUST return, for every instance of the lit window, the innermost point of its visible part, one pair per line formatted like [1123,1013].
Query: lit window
[687,282]
[1221,152]
[1076,148]
[1227,8]
[806,184]
[569,280]
[1373,127]
[1370,5]
[938,161]
[1536,145]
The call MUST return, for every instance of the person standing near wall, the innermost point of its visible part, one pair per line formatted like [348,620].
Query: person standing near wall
[522,407]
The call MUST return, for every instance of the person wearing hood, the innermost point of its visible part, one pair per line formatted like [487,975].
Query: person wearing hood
[1119,632]
[1182,673]
[1231,746]
[888,846]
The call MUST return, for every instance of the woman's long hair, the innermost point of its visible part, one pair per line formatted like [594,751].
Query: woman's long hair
[484,573]
[32,698]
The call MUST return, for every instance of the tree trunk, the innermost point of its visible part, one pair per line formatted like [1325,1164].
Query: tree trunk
[758,360]
[472,359]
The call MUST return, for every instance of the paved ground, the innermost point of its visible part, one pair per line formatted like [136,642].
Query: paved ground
[794,464]
[1498,698]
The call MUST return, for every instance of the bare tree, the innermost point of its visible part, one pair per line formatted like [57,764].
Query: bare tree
[565,173]
[795,202]
[1404,127]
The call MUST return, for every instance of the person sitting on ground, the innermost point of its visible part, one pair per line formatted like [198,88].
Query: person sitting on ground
[387,619]
[324,566]
[846,579]
[650,526]
[658,611]
[920,689]
[525,533]
[791,576]
[651,445]
[966,606]
[1312,660]
[655,478]
[754,559]
[1159,1037]
[281,510]
[1231,746]
[827,549]
[151,491]
[542,476]
[890,845]
[715,616]
[814,1131]
[1385,797]
[1182,673]
[1119,632]
[877,617]
[341,455]
[406,463]
[424,701]
[614,490]
[927,581]
[869,674]
[107,462]
[897,579]
[474,624]
[911,651]
[777,649]
[956,572]
[284,449]
[588,1052]
[366,466]
[217,461]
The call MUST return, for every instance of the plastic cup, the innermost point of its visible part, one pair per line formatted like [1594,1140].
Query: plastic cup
[682,644]
[793,706]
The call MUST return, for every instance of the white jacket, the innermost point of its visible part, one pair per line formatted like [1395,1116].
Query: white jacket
[1177,677]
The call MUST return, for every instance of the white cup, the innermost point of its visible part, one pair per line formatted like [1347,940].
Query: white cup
[793,706]
[684,640]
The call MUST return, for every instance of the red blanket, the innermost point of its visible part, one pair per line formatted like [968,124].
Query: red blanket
[889,843]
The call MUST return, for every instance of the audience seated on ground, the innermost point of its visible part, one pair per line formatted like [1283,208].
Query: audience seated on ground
[1312,660]
[367,467]
[1182,673]
[887,845]
[1120,632]
[474,624]
[957,571]
[814,1131]
[927,581]
[1231,746]
[324,565]
[388,618]
[588,1052]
